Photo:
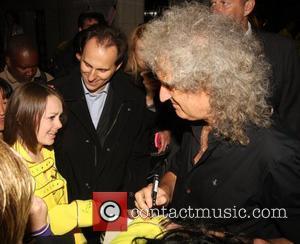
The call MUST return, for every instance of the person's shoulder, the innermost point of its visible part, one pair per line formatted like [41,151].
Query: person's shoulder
[273,39]
[275,144]
[124,83]
[66,82]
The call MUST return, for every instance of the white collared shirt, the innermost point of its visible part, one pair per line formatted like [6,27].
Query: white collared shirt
[95,102]
[249,30]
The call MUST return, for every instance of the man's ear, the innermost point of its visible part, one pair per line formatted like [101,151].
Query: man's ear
[78,56]
[249,6]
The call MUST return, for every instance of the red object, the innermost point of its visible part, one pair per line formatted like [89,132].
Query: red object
[157,140]
[109,211]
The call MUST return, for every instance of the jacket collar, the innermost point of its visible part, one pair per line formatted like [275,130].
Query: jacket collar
[74,89]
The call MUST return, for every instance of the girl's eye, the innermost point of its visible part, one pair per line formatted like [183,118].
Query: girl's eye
[52,117]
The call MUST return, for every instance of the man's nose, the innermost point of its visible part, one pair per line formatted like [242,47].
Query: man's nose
[92,75]
[164,94]
[30,72]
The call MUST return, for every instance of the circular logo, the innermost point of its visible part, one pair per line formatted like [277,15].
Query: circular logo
[110,211]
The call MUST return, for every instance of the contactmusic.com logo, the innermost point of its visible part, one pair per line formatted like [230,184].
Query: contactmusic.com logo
[109,211]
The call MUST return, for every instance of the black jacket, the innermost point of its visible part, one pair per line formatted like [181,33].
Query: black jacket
[263,174]
[283,56]
[115,156]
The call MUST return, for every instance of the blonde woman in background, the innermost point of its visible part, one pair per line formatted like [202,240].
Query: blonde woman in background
[18,207]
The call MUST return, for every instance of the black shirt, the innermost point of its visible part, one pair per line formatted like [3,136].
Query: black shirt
[263,174]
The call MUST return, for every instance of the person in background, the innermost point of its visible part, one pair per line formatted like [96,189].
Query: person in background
[235,156]
[104,146]
[282,55]
[64,59]
[5,93]
[33,118]
[22,58]
[19,210]
[149,85]
[10,26]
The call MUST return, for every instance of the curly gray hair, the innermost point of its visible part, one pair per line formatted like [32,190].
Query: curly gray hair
[205,51]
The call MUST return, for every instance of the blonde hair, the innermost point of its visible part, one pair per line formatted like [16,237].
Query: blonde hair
[206,51]
[132,66]
[16,192]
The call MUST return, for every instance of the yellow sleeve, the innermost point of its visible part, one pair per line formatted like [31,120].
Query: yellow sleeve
[139,227]
[66,217]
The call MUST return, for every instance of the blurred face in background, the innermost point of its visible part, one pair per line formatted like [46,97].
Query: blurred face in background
[138,49]
[87,23]
[23,66]
[235,9]
[3,103]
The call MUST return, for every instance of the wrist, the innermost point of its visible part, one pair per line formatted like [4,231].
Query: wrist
[44,231]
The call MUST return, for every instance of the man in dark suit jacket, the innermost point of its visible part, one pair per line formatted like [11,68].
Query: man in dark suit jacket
[103,146]
[283,57]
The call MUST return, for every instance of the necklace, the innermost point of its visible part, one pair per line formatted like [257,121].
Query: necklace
[203,143]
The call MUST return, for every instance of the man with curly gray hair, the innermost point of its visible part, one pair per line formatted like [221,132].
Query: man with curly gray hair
[234,158]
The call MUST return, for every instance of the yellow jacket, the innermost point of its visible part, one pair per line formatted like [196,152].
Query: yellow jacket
[52,188]
[143,228]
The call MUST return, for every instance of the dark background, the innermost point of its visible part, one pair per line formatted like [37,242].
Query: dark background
[50,22]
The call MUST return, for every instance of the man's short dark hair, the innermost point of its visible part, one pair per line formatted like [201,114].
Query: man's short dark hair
[106,36]
[91,15]
[18,43]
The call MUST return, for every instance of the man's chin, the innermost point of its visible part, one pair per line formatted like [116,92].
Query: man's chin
[24,81]
[180,114]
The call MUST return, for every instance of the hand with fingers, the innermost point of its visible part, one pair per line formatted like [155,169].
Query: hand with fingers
[144,201]
[162,140]
[164,193]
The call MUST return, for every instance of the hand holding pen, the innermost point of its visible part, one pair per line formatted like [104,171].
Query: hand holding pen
[160,196]
[154,189]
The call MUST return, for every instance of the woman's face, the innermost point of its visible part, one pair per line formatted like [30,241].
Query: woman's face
[50,122]
[3,103]
[138,49]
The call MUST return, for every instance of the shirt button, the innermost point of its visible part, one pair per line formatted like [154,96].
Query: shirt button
[215,182]
[128,109]
[87,185]
[87,141]
[107,149]
[188,190]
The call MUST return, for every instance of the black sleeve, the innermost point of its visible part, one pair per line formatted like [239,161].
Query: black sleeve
[282,191]
[289,107]
[139,163]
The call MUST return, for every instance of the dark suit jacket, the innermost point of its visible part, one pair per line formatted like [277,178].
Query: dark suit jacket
[111,158]
[283,56]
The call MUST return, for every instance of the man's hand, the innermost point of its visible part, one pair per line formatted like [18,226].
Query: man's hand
[143,198]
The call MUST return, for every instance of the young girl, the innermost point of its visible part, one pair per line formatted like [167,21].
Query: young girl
[5,92]
[33,118]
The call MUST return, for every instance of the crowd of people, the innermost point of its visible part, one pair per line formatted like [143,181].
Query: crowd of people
[197,96]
